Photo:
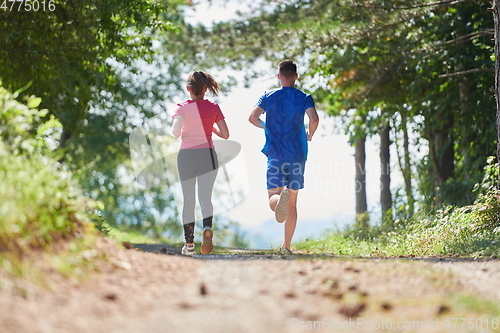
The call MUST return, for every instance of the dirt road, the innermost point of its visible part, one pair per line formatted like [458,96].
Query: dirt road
[160,292]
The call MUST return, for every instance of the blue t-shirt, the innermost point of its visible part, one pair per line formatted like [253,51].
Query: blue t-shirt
[285,130]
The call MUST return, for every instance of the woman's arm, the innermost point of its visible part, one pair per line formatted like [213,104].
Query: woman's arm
[220,129]
[177,126]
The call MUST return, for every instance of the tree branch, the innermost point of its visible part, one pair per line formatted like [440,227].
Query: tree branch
[469,71]
[450,2]
[470,36]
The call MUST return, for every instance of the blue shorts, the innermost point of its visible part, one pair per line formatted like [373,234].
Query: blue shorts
[281,173]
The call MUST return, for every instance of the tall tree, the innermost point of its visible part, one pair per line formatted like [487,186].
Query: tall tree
[385,173]
[362,216]
[405,166]
[496,16]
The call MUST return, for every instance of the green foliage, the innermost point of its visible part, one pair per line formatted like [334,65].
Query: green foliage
[361,227]
[459,231]
[67,52]
[39,202]
[101,225]
[487,207]
[25,129]
[40,205]
[490,177]
[457,192]
[487,213]
[98,71]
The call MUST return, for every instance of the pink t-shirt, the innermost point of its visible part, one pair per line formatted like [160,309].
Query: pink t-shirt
[199,118]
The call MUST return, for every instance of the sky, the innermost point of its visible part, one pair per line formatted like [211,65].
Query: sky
[328,198]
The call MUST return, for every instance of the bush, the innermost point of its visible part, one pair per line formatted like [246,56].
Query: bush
[38,206]
[24,129]
[39,202]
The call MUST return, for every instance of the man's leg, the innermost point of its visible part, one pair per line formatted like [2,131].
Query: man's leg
[274,196]
[291,218]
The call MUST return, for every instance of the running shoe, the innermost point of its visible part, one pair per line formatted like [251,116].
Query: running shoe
[188,250]
[282,207]
[207,246]
[285,250]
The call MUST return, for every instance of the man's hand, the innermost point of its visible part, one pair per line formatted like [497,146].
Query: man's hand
[309,136]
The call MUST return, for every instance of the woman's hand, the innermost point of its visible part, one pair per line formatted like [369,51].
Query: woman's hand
[220,129]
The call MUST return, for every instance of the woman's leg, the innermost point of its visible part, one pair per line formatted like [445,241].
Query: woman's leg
[187,173]
[206,181]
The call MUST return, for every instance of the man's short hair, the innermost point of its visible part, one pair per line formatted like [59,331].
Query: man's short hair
[287,68]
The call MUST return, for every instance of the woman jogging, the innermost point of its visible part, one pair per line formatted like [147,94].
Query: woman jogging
[194,122]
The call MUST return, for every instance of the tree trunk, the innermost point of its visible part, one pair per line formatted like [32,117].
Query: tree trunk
[464,91]
[496,17]
[360,182]
[63,141]
[406,169]
[385,176]
[442,151]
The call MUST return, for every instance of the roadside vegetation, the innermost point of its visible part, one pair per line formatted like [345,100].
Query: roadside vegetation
[471,231]
[45,220]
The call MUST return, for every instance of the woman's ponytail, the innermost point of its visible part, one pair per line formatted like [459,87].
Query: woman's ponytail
[200,80]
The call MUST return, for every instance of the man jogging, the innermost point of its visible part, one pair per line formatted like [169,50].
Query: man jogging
[286,144]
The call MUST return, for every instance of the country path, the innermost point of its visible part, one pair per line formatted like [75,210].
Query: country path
[157,290]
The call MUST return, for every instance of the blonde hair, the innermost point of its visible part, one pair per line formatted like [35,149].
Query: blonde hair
[200,80]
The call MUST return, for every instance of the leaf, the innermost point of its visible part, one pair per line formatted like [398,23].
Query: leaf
[100,205]
[34,102]
[52,123]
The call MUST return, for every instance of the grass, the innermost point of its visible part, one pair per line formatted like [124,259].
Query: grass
[134,237]
[37,205]
[471,231]
[404,245]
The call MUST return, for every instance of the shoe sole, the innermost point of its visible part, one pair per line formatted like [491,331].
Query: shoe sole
[207,245]
[281,210]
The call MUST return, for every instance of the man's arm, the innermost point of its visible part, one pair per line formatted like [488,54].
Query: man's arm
[255,117]
[313,122]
